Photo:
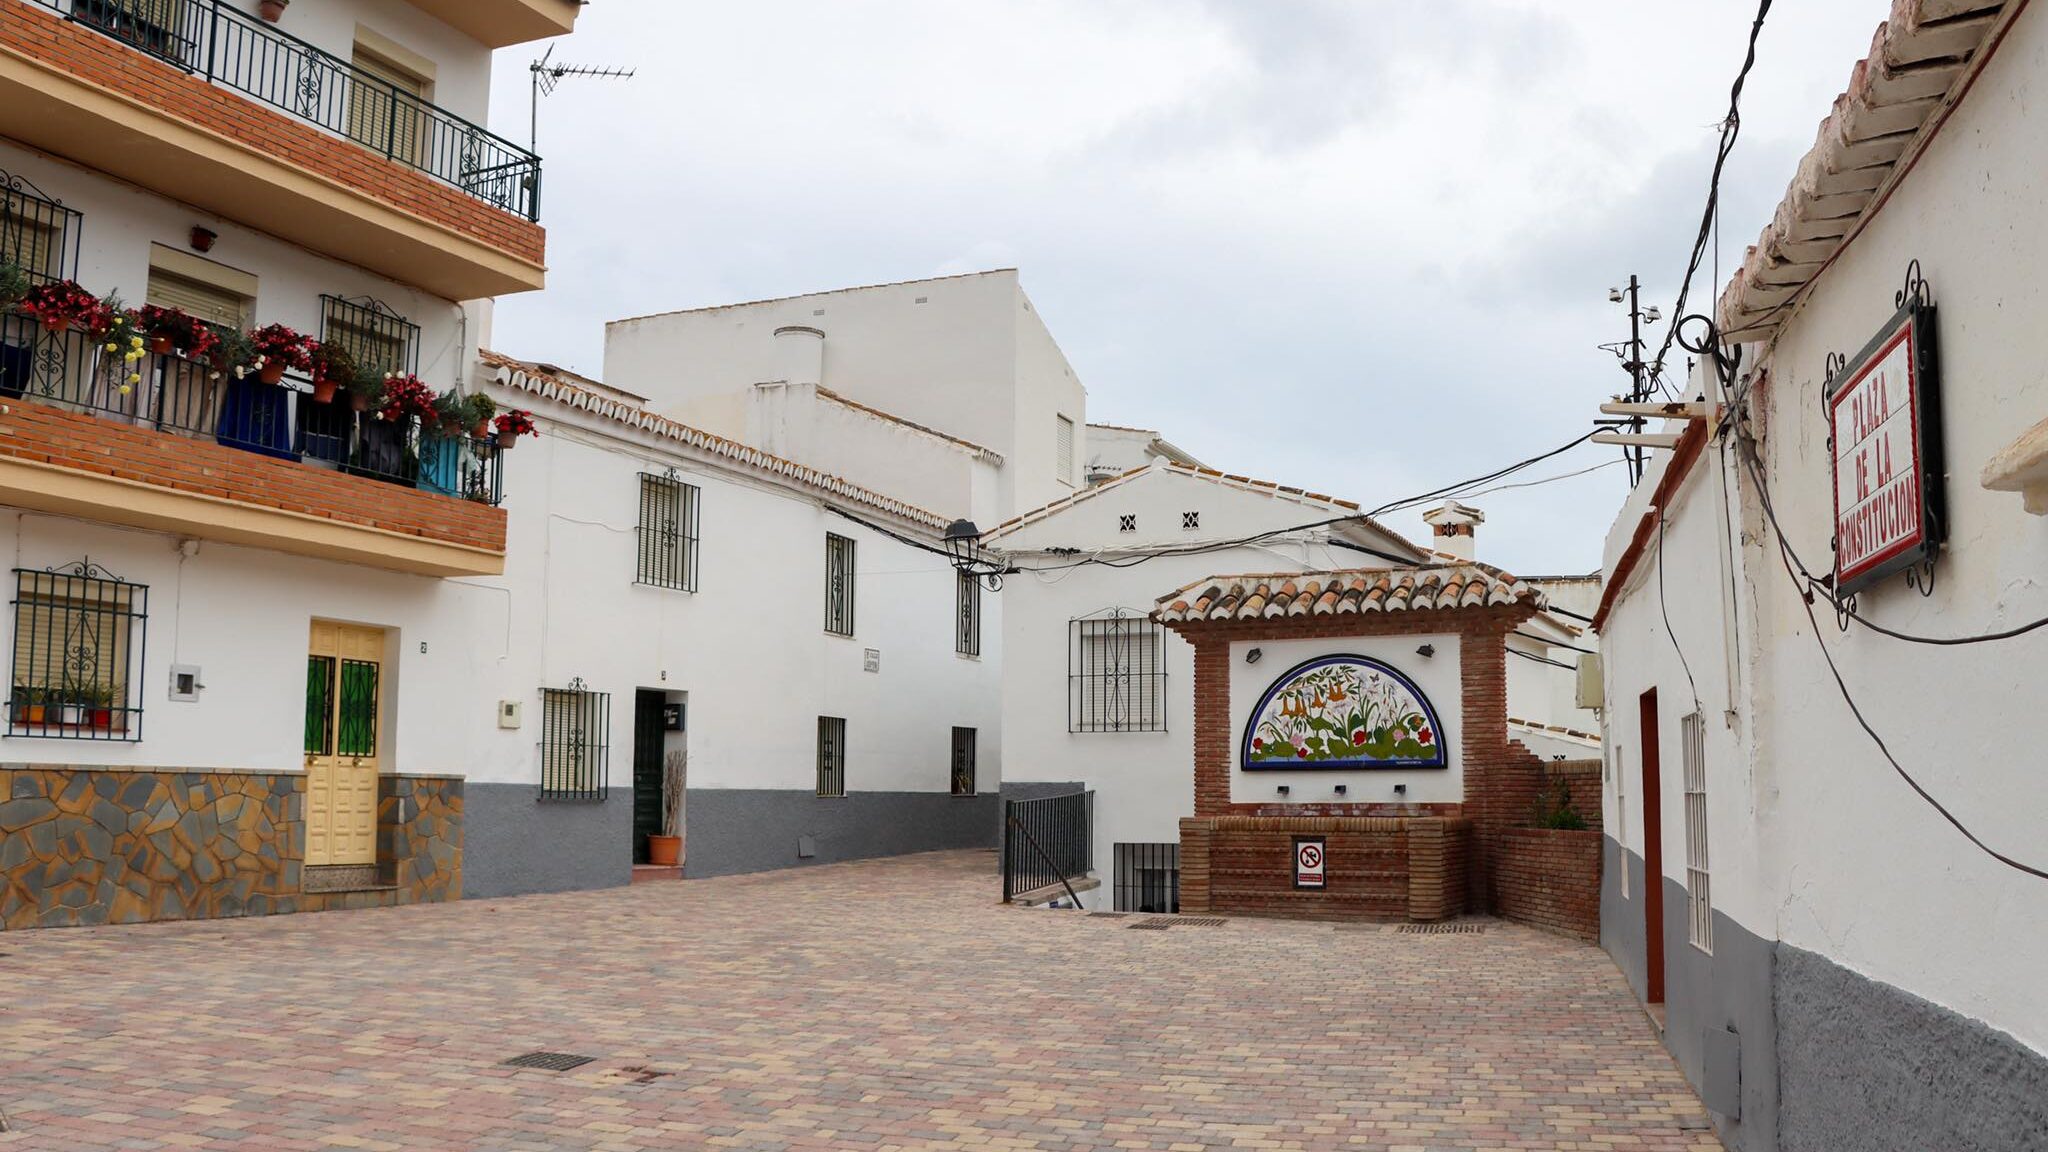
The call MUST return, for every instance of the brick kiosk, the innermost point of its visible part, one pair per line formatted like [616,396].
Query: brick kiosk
[1364,712]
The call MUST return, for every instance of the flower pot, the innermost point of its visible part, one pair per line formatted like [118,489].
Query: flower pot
[161,345]
[102,717]
[664,851]
[482,431]
[35,713]
[324,390]
[507,439]
[359,402]
[71,714]
[272,10]
[271,372]
[55,325]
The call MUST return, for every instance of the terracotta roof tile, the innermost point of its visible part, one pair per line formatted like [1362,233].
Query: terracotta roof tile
[1437,587]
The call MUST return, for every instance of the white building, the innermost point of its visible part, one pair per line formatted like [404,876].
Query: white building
[1834,962]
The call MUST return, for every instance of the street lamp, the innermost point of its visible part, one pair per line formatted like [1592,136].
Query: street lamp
[963,544]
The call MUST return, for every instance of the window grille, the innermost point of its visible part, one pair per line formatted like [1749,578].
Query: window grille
[1147,877]
[1116,673]
[667,533]
[79,643]
[377,338]
[37,233]
[838,585]
[831,756]
[1127,523]
[964,740]
[1190,521]
[1064,450]
[967,614]
[575,743]
[1698,884]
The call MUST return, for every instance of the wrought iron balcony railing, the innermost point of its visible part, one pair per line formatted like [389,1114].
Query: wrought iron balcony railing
[235,50]
[190,398]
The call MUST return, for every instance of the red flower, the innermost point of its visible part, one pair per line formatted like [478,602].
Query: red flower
[1302,752]
[1258,744]
[1423,735]
[1358,737]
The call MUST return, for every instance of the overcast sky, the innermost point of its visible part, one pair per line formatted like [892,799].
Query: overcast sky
[1355,245]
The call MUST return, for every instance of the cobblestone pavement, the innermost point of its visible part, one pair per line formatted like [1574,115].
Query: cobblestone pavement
[881,1005]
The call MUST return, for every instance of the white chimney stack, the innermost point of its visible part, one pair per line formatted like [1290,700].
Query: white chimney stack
[1454,524]
[800,355]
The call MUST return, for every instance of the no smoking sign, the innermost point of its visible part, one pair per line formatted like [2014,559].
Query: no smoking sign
[1310,862]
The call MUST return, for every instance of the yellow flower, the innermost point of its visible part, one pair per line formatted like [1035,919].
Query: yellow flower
[113,347]
[125,389]
[134,378]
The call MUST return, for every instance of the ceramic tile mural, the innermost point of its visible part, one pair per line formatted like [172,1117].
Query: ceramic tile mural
[1343,712]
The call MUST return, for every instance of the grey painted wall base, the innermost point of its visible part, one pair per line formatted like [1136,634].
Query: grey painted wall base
[1870,1067]
[1830,1061]
[732,830]
[514,844]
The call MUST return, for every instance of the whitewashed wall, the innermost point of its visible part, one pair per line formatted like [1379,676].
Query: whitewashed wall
[917,467]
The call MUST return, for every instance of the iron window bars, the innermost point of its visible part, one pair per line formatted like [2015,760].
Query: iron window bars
[351,729]
[838,585]
[37,233]
[831,756]
[231,48]
[376,337]
[667,533]
[964,741]
[80,636]
[1147,877]
[575,743]
[189,398]
[1116,673]
[1698,883]
[967,614]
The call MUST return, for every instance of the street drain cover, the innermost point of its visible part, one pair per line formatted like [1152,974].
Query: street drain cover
[1459,929]
[1104,915]
[549,1061]
[1153,925]
[1198,921]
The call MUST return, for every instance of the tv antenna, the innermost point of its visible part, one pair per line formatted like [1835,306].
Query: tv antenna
[546,76]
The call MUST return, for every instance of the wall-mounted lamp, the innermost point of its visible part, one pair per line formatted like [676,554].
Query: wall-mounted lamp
[1283,789]
[1252,657]
[1426,651]
[203,238]
[963,544]
[1341,789]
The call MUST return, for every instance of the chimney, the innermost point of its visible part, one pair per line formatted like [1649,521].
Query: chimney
[800,355]
[1454,524]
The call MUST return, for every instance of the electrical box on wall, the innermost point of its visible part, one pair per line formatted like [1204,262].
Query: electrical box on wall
[871,660]
[508,713]
[185,683]
[1591,691]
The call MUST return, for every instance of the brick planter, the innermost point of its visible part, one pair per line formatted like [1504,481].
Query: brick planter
[1550,878]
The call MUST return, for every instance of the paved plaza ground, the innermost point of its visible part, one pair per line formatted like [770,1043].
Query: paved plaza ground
[882,1005]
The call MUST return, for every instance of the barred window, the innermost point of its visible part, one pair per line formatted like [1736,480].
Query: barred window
[575,743]
[37,234]
[377,338]
[964,741]
[1147,877]
[79,635]
[1698,885]
[667,533]
[831,756]
[1116,673]
[838,585]
[1063,449]
[967,614]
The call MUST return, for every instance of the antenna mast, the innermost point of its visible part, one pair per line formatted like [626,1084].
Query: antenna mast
[546,76]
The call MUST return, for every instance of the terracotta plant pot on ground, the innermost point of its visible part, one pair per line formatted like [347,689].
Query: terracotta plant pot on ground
[662,851]
[324,390]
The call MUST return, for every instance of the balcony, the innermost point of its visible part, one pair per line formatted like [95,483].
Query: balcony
[207,104]
[168,444]
[503,23]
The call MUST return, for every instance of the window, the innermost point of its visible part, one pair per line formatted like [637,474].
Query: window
[831,756]
[209,302]
[667,533]
[1127,523]
[575,743]
[963,761]
[1147,877]
[386,107]
[1063,449]
[78,644]
[37,234]
[377,338]
[967,610]
[1698,887]
[838,585]
[1116,674]
[1190,521]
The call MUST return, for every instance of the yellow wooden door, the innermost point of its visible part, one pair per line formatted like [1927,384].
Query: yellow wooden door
[344,681]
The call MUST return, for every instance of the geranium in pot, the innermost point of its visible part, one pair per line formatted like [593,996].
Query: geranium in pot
[173,329]
[229,353]
[333,367]
[280,349]
[406,397]
[666,850]
[513,424]
[59,305]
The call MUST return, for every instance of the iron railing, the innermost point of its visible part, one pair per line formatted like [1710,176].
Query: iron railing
[376,337]
[237,51]
[169,393]
[1116,673]
[1046,842]
[1147,877]
[38,234]
[80,636]
[575,743]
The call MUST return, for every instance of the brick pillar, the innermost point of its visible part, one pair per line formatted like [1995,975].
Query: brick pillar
[1501,779]
[1194,864]
[1428,875]
[1212,727]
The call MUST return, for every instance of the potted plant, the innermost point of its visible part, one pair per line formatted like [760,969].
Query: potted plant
[481,409]
[405,397]
[280,349]
[14,283]
[513,424]
[272,10]
[366,390]
[35,704]
[71,705]
[99,706]
[666,850]
[230,353]
[171,330]
[451,414]
[59,305]
[333,366]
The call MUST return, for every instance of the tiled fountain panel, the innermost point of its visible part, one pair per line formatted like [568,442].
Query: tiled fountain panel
[85,845]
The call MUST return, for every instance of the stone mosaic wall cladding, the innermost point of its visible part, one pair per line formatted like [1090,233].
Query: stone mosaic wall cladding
[87,846]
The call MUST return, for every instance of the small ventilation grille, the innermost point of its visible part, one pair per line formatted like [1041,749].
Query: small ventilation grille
[1189,521]
[1151,925]
[1104,915]
[1127,523]
[1454,928]
[549,1061]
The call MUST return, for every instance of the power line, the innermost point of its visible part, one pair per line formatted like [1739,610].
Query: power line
[1544,480]
[1544,660]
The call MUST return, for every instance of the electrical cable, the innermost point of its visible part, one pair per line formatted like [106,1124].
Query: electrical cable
[1554,643]
[1544,660]
[1666,613]
[1544,480]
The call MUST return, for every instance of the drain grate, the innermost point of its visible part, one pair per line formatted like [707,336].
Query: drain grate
[1151,925]
[1454,928]
[1197,921]
[549,1061]
[1104,915]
